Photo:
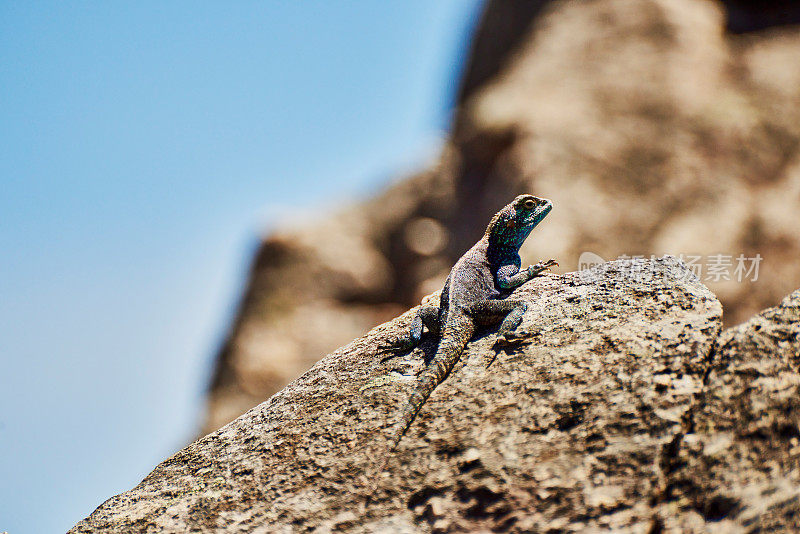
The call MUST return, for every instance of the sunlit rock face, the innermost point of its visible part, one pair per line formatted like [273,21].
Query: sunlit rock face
[623,407]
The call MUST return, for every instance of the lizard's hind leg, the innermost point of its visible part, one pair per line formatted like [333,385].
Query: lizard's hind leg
[513,319]
[426,315]
[491,312]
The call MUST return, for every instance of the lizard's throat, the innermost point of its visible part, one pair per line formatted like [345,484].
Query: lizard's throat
[503,238]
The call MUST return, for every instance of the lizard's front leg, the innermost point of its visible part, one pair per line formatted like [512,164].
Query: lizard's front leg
[510,276]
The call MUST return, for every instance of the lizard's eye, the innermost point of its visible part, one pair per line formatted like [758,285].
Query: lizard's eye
[529,204]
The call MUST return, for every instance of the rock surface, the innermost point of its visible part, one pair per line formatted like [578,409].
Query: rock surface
[737,464]
[623,409]
[652,128]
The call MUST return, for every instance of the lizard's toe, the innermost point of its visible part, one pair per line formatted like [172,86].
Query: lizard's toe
[399,345]
[509,339]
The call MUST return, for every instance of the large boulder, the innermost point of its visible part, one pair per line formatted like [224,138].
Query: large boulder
[623,408]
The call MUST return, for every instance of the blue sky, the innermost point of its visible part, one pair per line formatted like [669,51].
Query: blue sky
[144,146]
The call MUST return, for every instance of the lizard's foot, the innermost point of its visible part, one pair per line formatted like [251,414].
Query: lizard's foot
[509,339]
[390,352]
[397,347]
[503,343]
[542,266]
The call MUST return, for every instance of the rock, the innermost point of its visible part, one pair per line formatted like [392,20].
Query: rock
[575,429]
[738,462]
[653,129]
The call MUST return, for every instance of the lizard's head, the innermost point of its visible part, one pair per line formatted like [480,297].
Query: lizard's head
[512,224]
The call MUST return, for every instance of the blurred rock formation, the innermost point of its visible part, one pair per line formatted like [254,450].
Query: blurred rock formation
[658,126]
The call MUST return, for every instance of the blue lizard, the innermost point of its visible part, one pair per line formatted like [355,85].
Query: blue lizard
[474,295]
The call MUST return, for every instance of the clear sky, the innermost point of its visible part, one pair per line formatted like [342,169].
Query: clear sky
[144,146]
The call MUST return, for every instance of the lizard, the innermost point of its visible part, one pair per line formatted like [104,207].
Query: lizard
[474,295]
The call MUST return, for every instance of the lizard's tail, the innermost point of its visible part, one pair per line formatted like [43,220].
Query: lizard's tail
[454,338]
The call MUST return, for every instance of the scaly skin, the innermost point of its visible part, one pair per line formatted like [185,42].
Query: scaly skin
[474,295]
